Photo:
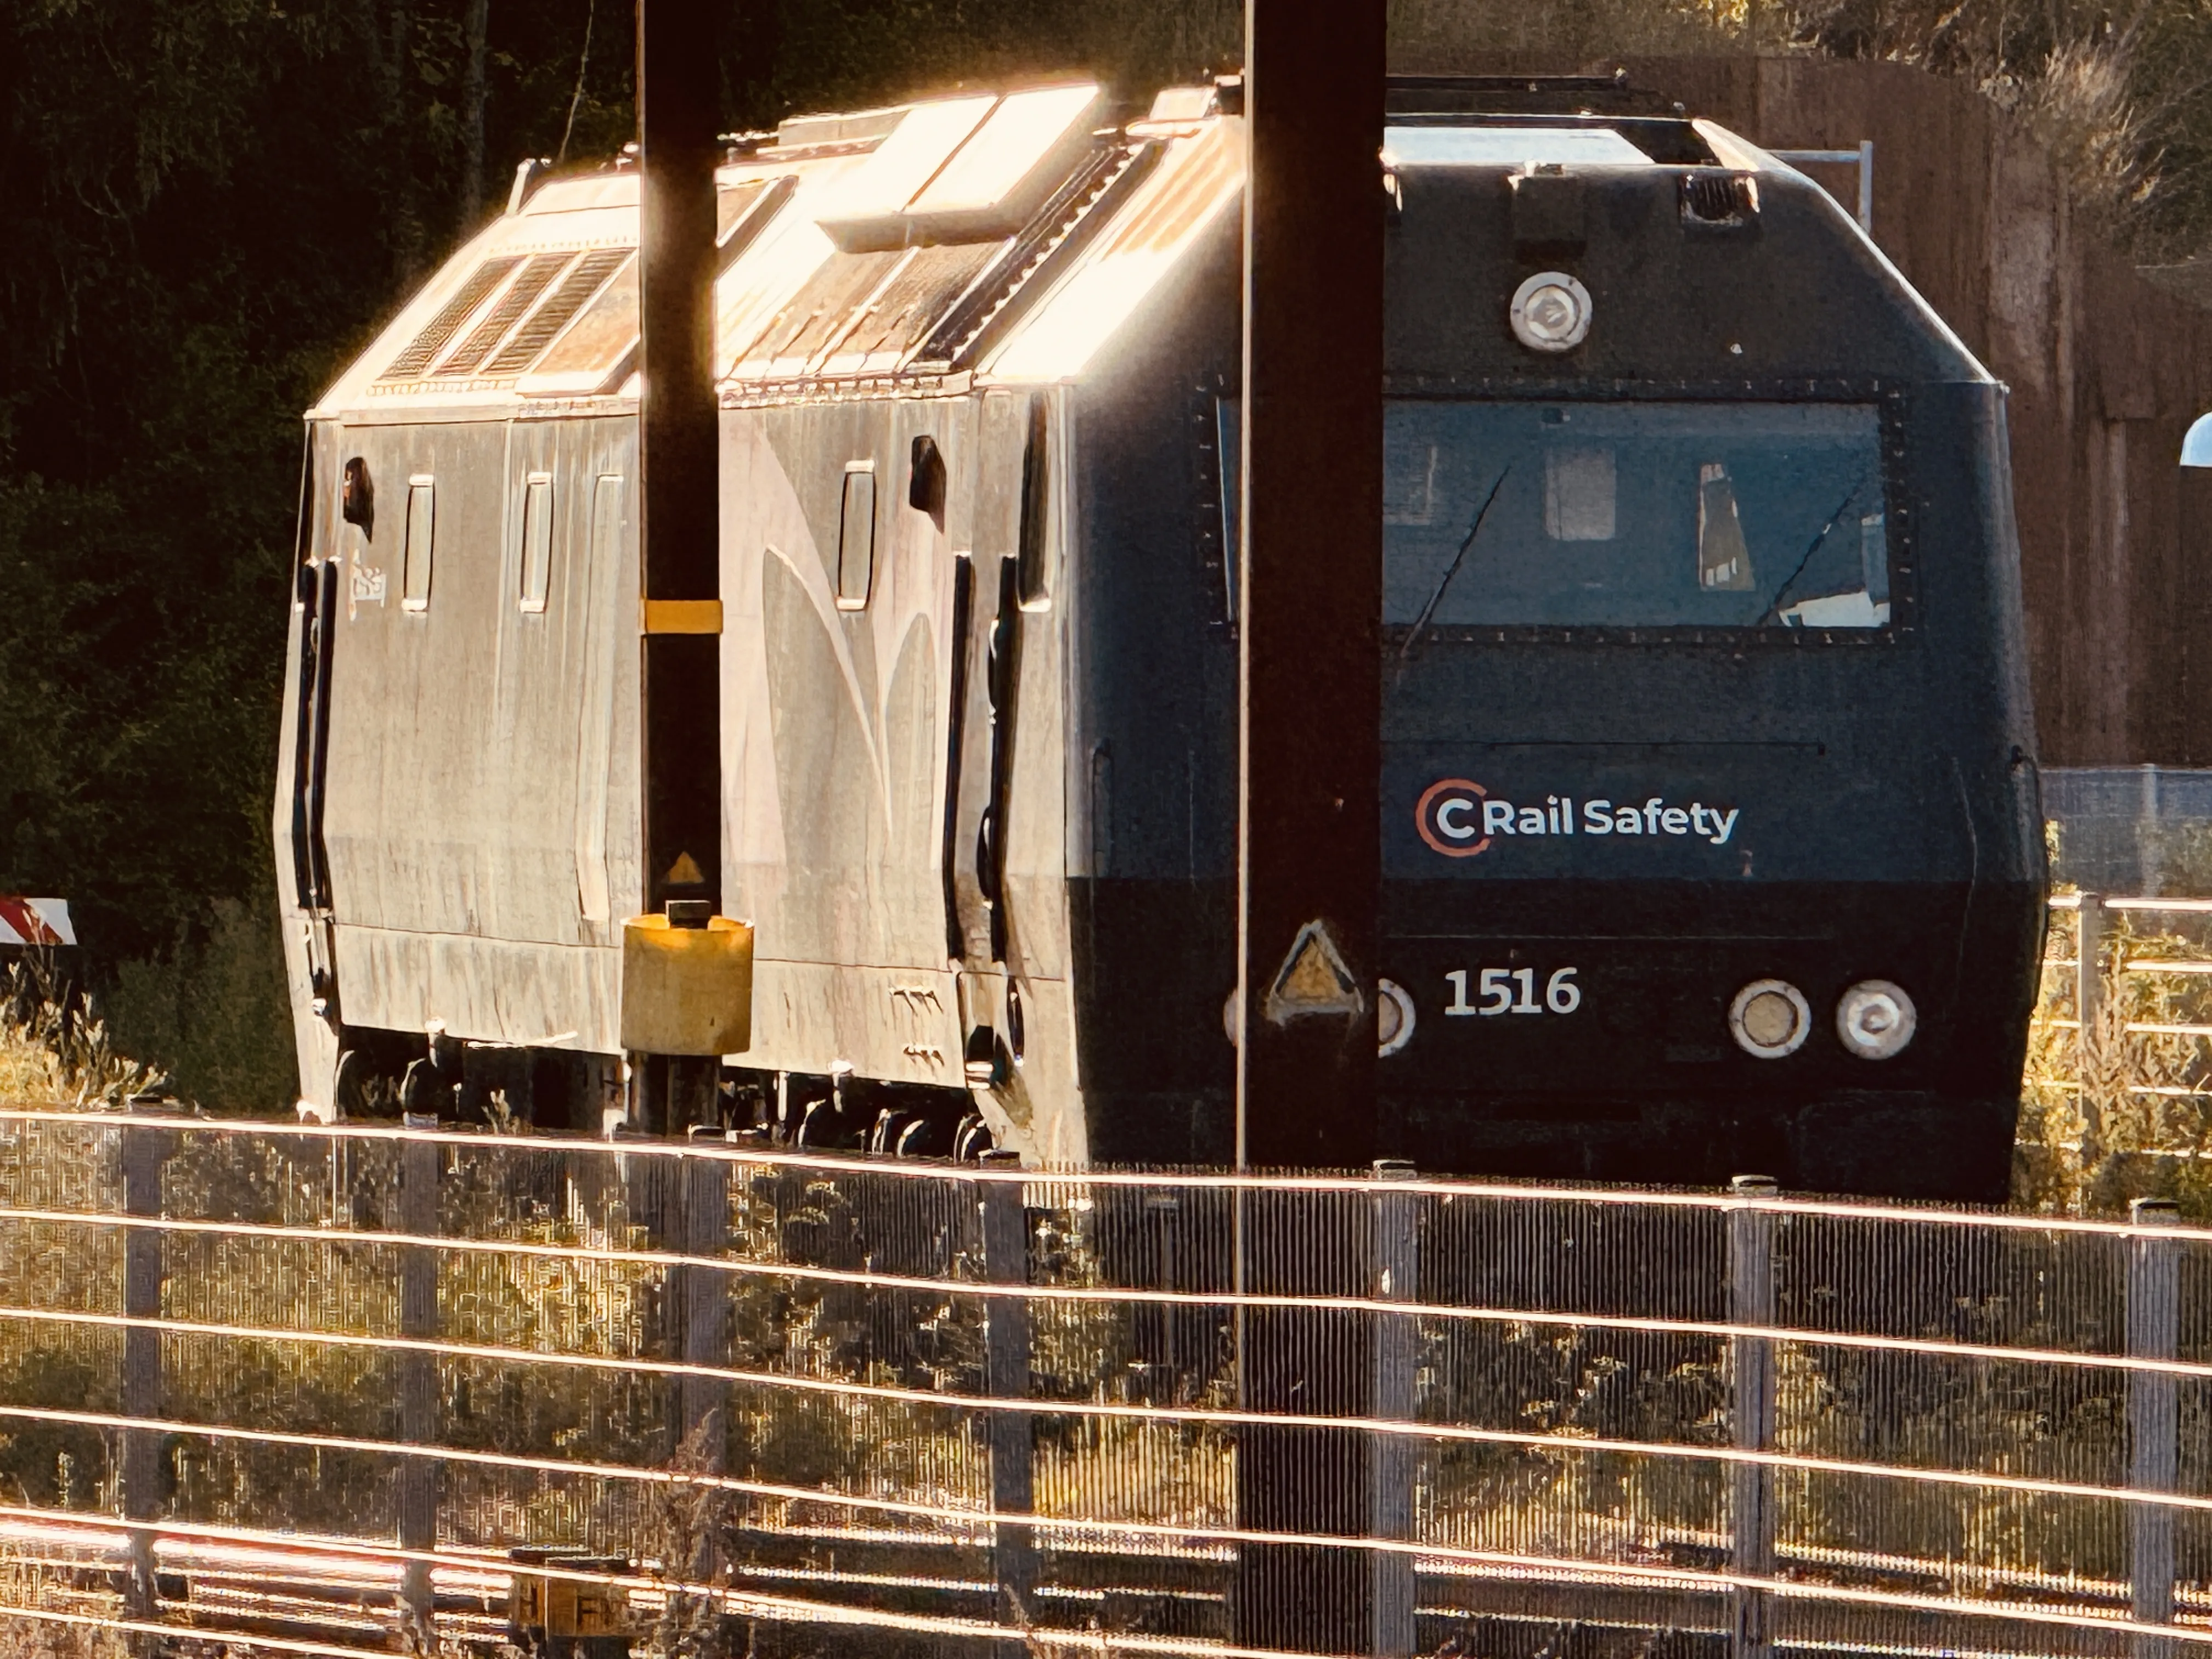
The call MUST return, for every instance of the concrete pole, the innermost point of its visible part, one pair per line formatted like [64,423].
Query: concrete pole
[1309,632]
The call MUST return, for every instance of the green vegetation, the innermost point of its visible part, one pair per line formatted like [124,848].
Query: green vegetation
[210,204]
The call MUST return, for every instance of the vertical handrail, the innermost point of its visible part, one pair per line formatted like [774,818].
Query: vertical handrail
[1860,156]
[2153,1330]
[1751,1510]
[1392,1457]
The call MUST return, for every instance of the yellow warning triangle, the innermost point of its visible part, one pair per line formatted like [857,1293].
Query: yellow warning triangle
[684,872]
[1313,979]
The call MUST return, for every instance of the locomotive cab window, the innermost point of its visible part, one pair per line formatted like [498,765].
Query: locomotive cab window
[421,536]
[856,537]
[1635,515]
[537,540]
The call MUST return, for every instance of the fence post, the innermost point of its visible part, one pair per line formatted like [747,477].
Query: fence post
[2153,1453]
[146,1148]
[1006,1376]
[704,1292]
[2088,979]
[1750,1511]
[1392,1457]
[419,1171]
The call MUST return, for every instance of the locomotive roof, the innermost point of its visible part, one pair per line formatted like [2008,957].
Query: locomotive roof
[979,238]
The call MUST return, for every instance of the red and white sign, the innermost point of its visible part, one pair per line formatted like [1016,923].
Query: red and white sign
[35,921]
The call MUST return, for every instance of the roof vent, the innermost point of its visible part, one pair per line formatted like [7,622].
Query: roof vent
[1182,104]
[448,323]
[1719,198]
[522,294]
[522,347]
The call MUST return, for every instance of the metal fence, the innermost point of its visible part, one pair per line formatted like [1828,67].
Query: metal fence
[2118,1088]
[356,1388]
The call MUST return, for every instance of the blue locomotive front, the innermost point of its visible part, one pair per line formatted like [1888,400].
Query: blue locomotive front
[1711,831]
[1711,838]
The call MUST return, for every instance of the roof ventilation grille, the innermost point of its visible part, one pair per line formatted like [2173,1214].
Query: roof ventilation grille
[448,323]
[537,276]
[522,348]
[1719,198]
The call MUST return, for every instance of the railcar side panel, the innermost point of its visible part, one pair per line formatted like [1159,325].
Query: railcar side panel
[482,756]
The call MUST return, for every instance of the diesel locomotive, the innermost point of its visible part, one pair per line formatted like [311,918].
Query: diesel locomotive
[1712,837]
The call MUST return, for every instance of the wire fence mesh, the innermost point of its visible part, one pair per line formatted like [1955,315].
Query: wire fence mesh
[362,1387]
[2116,1092]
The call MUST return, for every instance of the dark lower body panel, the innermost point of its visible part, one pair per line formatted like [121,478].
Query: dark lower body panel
[1638,1081]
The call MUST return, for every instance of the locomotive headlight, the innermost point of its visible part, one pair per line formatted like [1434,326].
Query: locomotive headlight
[1876,1019]
[1551,312]
[1393,1017]
[1769,1018]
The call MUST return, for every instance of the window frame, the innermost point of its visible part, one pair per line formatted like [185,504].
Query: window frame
[536,544]
[421,487]
[847,599]
[1900,518]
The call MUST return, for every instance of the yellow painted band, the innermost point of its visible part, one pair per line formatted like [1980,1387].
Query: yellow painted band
[683,616]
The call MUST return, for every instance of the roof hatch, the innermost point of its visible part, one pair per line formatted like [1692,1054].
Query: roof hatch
[1509,147]
[963,170]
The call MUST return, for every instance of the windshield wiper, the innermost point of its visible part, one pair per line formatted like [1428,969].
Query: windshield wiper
[1773,610]
[1421,622]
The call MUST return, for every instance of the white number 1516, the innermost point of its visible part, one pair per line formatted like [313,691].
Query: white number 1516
[1513,990]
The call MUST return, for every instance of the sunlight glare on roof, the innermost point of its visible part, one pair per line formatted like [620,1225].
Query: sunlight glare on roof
[1200,177]
[1020,135]
[1508,147]
[906,161]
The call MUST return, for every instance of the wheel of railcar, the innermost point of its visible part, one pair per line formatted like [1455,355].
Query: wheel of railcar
[923,1136]
[817,1125]
[423,1092]
[349,1088]
[971,1139]
[891,1123]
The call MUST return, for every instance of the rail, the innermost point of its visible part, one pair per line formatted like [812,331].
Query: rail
[1862,157]
[311,1388]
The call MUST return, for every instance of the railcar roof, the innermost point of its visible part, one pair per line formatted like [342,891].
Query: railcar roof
[980,239]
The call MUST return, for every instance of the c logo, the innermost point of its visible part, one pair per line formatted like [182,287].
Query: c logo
[1441,818]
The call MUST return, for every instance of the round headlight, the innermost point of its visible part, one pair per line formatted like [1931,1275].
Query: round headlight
[1551,312]
[1876,1019]
[1769,1018]
[1393,1017]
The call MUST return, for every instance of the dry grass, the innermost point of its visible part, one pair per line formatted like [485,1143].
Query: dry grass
[44,1639]
[57,1053]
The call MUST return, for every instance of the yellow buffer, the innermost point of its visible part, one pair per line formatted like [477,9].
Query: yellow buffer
[687,990]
